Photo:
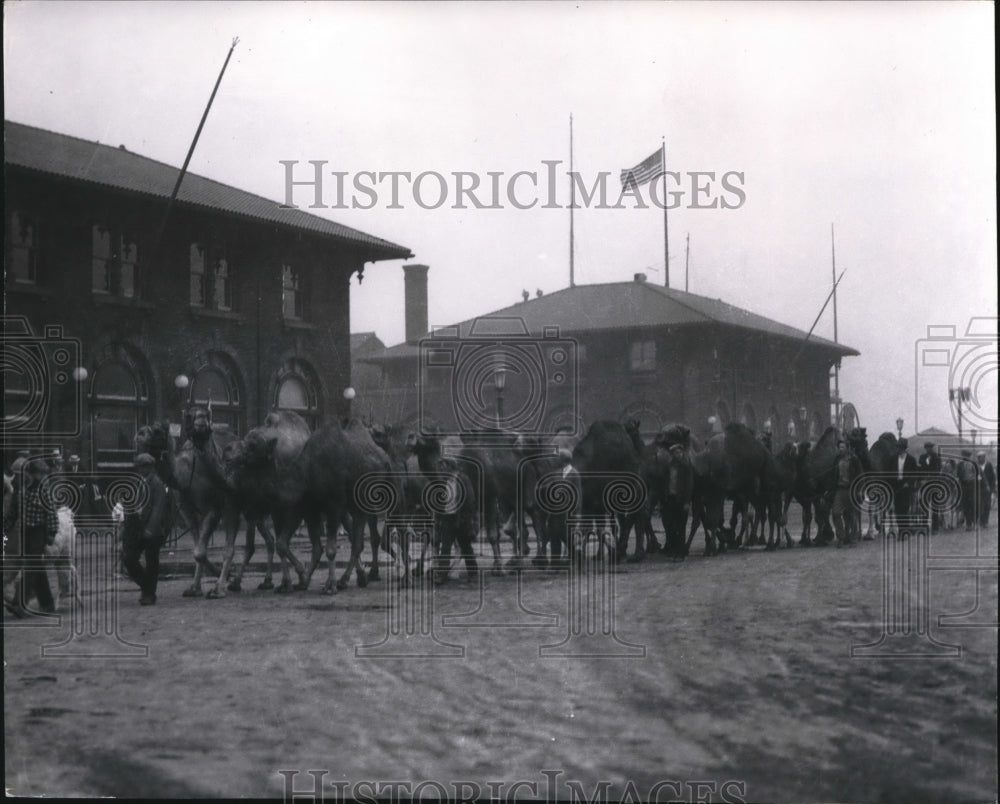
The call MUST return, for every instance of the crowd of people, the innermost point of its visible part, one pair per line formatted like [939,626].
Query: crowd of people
[38,533]
[42,533]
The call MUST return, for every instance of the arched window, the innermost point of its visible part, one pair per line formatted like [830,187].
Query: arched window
[298,390]
[119,405]
[217,386]
[748,417]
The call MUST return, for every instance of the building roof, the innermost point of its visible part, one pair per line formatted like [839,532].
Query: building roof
[81,160]
[367,341]
[623,305]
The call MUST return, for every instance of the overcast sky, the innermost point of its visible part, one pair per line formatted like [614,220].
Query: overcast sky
[876,118]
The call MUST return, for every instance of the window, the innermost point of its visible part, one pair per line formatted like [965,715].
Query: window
[642,355]
[120,405]
[211,278]
[22,255]
[222,292]
[297,391]
[291,293]
[216,387]
[114,263]
[198,294]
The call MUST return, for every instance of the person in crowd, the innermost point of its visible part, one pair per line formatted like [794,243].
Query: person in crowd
[968,474]
[145,532]
[950,517]
[987,488]
[841,510]
[39,527]
[904,481]
[929,465]
[676,505]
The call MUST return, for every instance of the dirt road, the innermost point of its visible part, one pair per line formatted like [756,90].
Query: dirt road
[737,683]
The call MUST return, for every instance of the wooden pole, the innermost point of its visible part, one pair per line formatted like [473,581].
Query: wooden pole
[572,204]
[194,142]
[666,239]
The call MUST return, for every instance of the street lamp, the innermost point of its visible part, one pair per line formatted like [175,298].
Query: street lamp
[899,427]
[500,382]
[958,396]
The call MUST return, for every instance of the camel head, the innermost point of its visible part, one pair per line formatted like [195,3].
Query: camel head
[197,426]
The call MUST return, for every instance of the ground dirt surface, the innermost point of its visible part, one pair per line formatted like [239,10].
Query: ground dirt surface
[734,672]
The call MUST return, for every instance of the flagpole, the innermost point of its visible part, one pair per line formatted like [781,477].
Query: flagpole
[687,259]
[572,204]
[836,366]
[666,241]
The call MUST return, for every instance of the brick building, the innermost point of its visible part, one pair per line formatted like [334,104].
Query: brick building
[117,314]
[618,350]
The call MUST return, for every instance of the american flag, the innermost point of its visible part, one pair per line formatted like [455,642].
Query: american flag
[647,170]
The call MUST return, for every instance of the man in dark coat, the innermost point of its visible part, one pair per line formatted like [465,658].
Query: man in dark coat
[144,531]
[968,480]
[676,504]
[39,527]
[904,480]
[929,465]
[987,488]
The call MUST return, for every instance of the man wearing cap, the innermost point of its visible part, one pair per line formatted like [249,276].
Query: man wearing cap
[968,480]
[987,487]
[842,509]
[39,527]
[676,504]
[90,495]
[929,465]
[144,531]
[905,476]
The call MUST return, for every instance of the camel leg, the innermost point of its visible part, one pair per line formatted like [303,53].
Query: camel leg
[315,525]
[332,529]
[356,537]
[265,531]
[283,547]
[375,538]
[202,564]
[232,527]
[236,584]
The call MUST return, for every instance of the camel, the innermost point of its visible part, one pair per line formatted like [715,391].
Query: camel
[251,465]
[321,484]
[196,472]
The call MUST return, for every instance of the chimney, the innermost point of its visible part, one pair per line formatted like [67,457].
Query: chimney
[415,301]
[639,277]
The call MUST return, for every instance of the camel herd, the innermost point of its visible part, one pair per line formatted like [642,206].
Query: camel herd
[402,485]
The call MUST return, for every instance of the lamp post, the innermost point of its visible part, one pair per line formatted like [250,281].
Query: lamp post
[899,427]
[349,394]
[500,382]
[958,396]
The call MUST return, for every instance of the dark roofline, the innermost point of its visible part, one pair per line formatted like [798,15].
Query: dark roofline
[794,335]
[382,248]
